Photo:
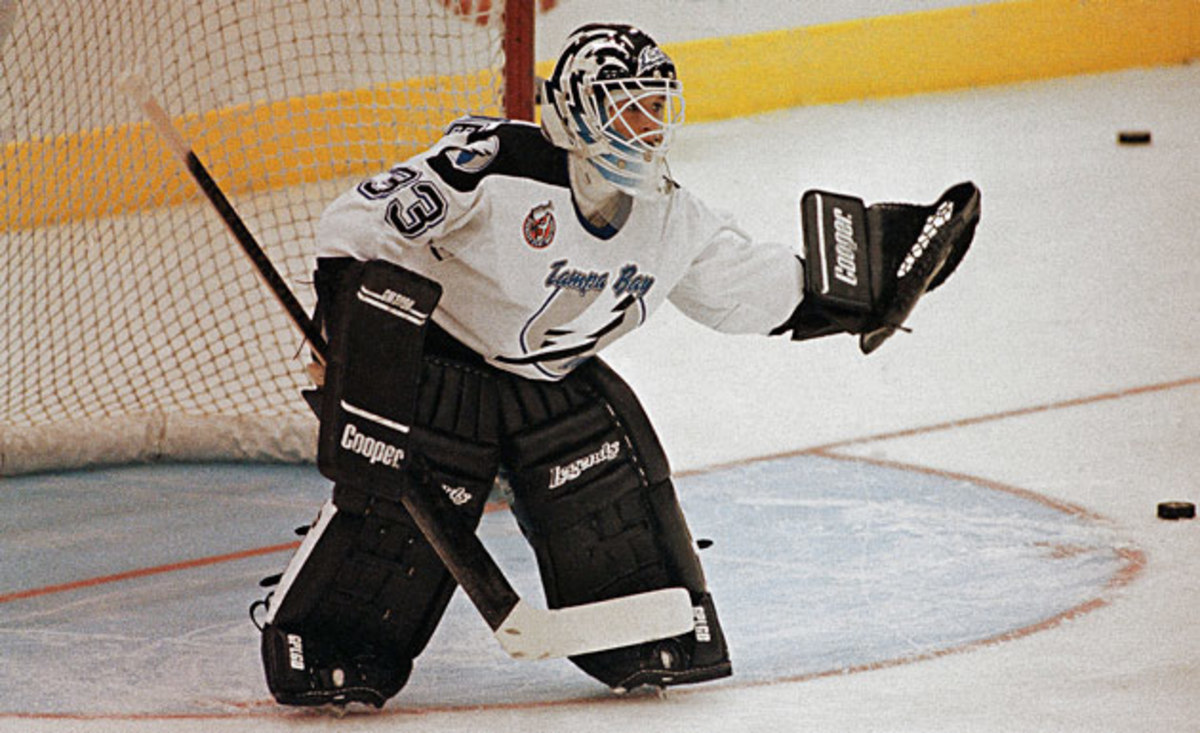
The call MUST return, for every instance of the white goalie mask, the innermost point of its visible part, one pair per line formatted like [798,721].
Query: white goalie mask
[614,98]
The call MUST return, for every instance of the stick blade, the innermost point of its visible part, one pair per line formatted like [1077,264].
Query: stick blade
[534,633]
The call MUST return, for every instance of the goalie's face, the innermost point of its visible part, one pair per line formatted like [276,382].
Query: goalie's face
[636,120]
[642,115]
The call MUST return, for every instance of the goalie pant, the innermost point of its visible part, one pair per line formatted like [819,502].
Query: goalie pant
[591,491]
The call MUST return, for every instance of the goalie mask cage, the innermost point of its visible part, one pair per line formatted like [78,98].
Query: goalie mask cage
[133,327]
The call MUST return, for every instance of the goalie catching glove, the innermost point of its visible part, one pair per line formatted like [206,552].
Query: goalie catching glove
[866,268]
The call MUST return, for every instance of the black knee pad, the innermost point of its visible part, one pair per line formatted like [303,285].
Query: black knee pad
[593,496]
[392,584]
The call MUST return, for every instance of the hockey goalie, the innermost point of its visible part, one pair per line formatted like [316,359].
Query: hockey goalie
[466,294]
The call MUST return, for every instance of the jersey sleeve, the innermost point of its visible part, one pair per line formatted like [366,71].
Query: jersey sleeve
[737,285]
[412,205]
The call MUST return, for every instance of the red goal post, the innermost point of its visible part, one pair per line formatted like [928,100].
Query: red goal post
[132,328]
[519,33]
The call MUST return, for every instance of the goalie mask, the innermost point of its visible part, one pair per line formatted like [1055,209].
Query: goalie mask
[614,98]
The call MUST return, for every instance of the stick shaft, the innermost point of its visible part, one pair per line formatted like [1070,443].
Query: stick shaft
[464,555]
[262,264]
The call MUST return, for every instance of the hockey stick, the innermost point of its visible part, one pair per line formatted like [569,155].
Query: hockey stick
[524,631]
[138,89]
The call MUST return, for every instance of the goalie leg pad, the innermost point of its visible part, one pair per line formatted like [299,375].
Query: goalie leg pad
[365,591]
[592,493]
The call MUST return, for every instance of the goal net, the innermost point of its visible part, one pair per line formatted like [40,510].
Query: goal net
[132,327]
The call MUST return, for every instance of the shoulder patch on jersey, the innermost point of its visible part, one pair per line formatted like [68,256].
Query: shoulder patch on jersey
[475,156]
[506,148]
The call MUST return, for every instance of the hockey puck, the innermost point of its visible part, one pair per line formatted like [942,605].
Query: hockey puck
[704,544]
[1134,137]
[1176,510]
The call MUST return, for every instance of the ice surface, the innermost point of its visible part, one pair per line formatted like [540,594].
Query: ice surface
[820,566]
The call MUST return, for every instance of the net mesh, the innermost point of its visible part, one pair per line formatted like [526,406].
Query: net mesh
[133,324]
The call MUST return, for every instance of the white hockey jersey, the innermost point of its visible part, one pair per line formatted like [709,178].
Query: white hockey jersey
[528,284]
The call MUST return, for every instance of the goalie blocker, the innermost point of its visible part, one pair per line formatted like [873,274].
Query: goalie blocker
[372,376]
[866,267]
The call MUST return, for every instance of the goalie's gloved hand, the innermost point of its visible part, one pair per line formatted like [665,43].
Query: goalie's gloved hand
[954,218]
[866,268]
